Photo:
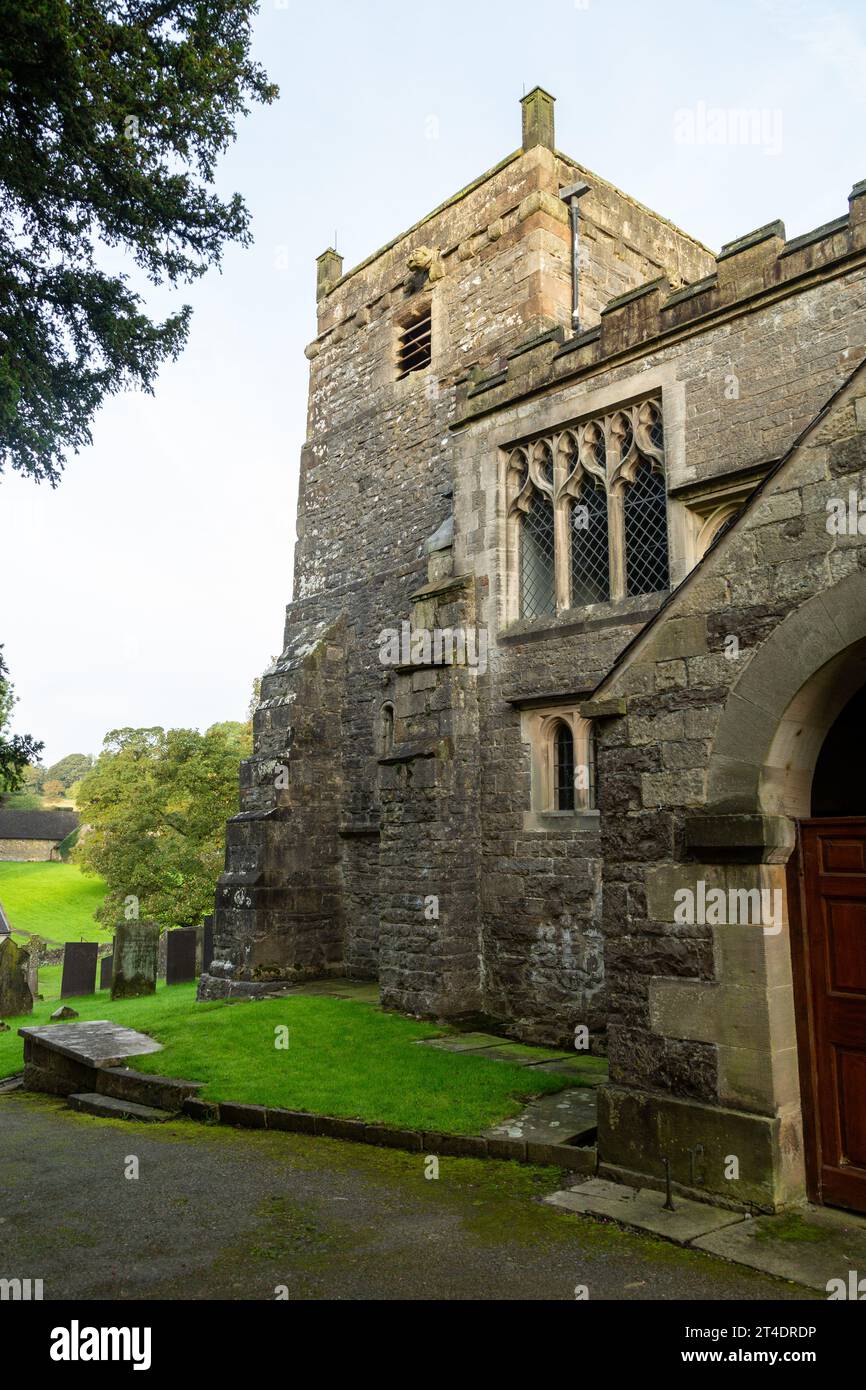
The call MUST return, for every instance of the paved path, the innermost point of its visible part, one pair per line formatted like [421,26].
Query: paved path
[219,1213]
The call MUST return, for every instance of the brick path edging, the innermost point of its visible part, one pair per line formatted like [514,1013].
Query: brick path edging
[388,1137]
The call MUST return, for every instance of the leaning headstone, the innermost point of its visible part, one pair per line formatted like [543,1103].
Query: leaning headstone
[16,996]
[135,960]
[79,968]
[63,1012]
[105,972]
[207,945]
[180,955]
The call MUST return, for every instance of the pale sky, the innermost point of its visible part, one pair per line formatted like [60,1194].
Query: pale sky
[149,588]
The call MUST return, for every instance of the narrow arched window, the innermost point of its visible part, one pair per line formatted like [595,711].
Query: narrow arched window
[590,557]
[537,587]
[646,532]
[386,731]
[563,768]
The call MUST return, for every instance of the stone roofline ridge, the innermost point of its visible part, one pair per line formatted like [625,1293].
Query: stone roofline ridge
[490,173]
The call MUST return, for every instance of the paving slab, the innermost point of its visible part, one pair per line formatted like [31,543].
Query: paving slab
[643,1210]
[578,1068]
[811,1247]
[98,1043]
[552,1119]
[591,1071]
[465,1042]
[363,991]
[111,1108]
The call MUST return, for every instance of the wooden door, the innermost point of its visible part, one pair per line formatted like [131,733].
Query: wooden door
[834,969]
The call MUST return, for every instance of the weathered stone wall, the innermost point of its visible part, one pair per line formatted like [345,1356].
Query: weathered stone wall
[697,779]
[337,871]
[28,851]
[279,912]
[376,481]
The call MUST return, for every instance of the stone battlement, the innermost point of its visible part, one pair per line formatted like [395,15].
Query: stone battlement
[756,267]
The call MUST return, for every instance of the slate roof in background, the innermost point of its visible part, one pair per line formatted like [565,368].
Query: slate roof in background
[37,825]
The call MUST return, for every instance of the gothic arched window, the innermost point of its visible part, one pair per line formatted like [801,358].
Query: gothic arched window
[586,514]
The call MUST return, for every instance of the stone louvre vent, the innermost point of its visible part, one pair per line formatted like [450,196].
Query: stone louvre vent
[415,349]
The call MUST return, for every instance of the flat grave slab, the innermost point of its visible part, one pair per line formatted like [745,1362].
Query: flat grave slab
[553,1119]
[98,1043]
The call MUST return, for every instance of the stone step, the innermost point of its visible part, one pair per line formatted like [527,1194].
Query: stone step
[112,1108]
[145,1088]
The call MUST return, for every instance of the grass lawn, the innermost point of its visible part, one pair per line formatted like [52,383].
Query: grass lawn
[56,901]
[344,1058]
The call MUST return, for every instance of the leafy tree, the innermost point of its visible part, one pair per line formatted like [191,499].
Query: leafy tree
[53,788]
[21,801]
[34,777]
[17,751]
[70,769]
[157,803]
[113,114]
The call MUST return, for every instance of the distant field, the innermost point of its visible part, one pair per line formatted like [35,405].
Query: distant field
[56,901]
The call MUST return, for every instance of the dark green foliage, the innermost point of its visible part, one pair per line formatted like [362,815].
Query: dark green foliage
[112,118]
[17,751]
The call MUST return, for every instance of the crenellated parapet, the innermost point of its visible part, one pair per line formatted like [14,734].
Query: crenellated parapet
[752,270]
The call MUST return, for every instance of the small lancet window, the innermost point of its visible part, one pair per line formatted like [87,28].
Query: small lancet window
[563,768]
[386,731]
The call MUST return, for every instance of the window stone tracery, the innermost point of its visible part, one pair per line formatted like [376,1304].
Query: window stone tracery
[586,508]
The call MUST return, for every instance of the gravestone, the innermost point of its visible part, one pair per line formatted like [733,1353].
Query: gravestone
[15,994]
[5,928]
[135,959]
[180,955]
[79,968]
[105,972]
[207,945]
[33,967]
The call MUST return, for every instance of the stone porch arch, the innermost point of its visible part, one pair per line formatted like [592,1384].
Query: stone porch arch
[778,714]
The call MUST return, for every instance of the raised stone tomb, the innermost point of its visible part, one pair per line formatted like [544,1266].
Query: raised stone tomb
[65,1057]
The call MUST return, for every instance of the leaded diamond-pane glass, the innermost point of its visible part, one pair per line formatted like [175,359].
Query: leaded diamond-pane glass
[563,769]
[537,596]
[590,560]
[646,533]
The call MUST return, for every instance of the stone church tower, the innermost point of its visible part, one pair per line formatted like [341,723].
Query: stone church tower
[571,635]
